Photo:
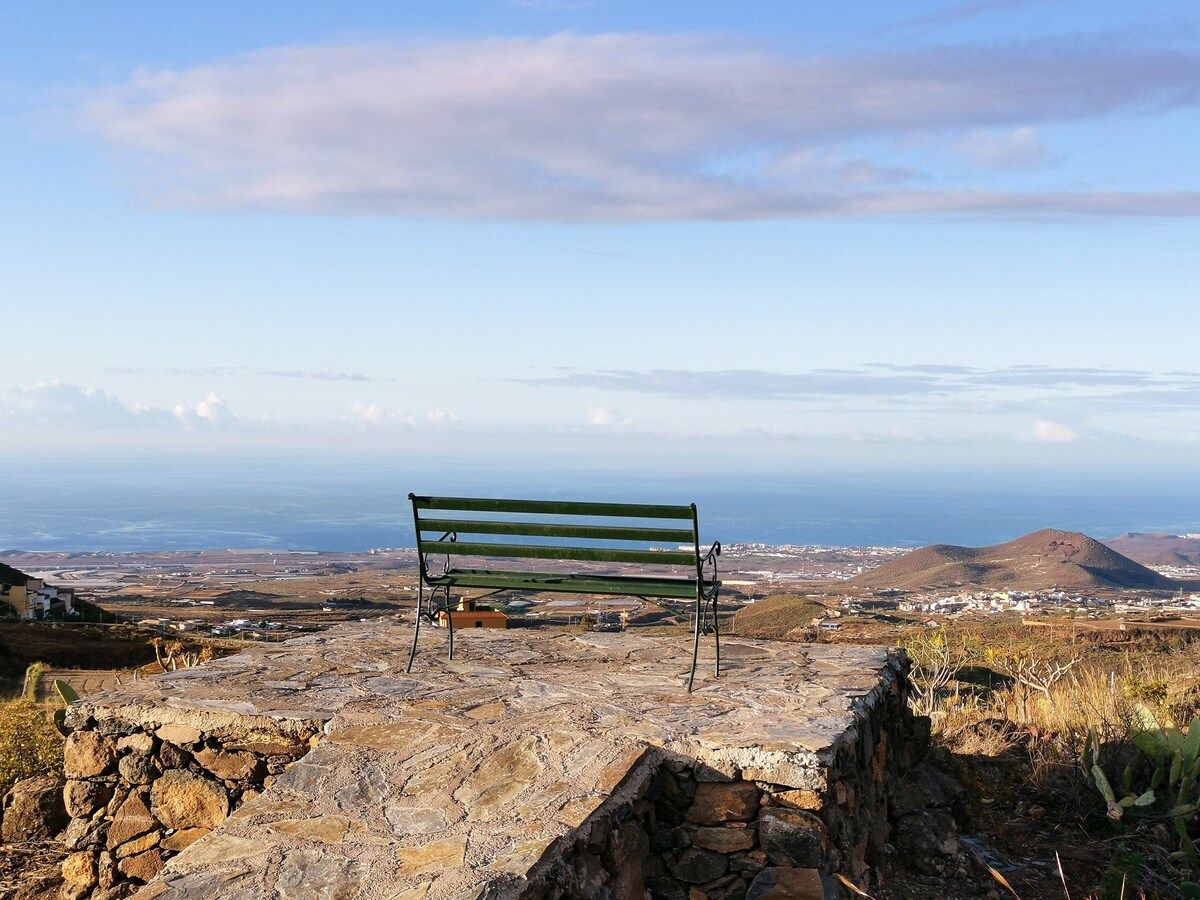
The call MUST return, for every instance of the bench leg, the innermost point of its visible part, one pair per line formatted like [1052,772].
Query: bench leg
[416,626]
[695,646]
[450,623]
[717,634]
[702,610]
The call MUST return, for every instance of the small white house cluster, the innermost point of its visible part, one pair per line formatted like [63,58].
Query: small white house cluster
[992,602]
[32,598]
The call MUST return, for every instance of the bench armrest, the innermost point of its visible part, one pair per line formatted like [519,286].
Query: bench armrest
[709,561]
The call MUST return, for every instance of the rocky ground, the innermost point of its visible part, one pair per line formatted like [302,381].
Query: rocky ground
[997,829]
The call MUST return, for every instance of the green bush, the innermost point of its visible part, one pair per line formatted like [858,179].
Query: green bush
[1153,691]
[29,744]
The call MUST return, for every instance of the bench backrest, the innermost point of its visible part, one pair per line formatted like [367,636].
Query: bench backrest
[557,530]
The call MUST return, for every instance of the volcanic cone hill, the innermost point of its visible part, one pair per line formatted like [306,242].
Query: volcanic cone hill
[1158,548]
[1047,558]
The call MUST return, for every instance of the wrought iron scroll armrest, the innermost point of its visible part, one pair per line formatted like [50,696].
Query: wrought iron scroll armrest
[710,560]
[451,537]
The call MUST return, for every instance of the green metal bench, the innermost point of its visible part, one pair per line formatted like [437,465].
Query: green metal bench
[505,545]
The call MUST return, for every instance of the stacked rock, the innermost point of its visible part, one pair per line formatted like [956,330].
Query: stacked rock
[138,794]
[685,835]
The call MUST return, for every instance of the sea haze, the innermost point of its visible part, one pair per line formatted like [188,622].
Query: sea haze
[129,505]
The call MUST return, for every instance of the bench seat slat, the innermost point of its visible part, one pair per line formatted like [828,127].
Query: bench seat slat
[681,588]
[587,554]
[555,507]
[550,529]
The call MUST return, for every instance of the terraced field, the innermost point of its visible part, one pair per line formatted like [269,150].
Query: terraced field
[83,681]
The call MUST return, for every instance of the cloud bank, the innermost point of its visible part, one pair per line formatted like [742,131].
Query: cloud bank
[886,381]
[239,371]
[374,416]
[51,407]
[633,127]
[56,405]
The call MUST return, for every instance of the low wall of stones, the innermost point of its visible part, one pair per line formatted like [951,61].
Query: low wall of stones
[680,830]
[865,770]
[680,836]
[139,793]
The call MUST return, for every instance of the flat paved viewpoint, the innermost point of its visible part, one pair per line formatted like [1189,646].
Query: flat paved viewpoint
[471,777]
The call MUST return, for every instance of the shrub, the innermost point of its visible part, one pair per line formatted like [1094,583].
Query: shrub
[29,744]
[33,677]
[1151,691]
[936,662]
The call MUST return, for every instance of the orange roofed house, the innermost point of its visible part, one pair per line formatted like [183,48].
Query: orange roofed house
[467,616]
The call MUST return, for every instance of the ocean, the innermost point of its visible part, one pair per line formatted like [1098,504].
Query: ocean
[131,505]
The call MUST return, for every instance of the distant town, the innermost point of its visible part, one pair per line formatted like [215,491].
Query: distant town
[269,595]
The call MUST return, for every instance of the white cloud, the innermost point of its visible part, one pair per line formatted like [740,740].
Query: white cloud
[54,404]
[602,417]
[1053,433]
[1009,149]
[811,168]
[210,412]
[318,376]
[376,416]
[622,127]
[369,413]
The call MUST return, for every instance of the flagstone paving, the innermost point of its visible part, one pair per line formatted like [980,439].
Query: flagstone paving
[463,774]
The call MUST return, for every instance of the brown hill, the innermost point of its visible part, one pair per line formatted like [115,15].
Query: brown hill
[1157,548]
[774,617]
[1044,559]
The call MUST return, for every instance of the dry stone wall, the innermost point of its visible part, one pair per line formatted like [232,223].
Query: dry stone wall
[139,793]
[865,770]
[691,833]
[679,838]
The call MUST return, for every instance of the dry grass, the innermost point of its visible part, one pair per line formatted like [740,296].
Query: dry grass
[1050,689]
[1085,697]
[1011,703]
[29,743]
[776,616]
[31,869]
[970,725]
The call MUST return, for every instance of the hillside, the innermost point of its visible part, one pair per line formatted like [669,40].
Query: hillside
[776,616]
[10,577]
[71,647]
[1157,548]
[1043,559]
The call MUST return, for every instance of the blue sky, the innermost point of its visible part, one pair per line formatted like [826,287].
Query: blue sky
[753,235]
